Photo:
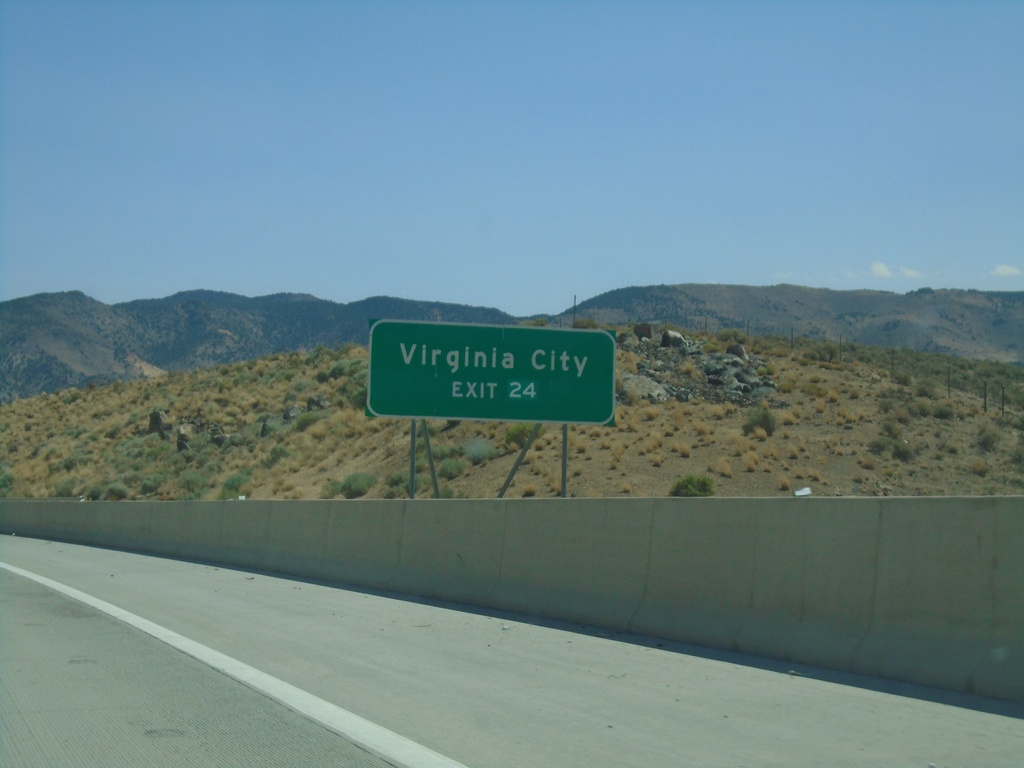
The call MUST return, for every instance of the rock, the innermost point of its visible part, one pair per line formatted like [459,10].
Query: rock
[642,330]
[292,412]
[160,423]
[737,350]
[672,339]
[317,403]
[218,436]
[634,388]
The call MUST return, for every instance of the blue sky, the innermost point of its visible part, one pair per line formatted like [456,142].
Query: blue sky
[508,154]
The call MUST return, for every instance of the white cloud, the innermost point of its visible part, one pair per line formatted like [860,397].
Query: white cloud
[1006,270]
[908,272]
[878,269]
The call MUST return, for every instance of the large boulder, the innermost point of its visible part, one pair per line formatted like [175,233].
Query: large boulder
[671,338]
[737,350]
[160,423]
[634,388]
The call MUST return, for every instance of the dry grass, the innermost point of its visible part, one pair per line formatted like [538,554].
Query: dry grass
[94,443]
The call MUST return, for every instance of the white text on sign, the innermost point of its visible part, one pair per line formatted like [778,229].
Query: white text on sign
[456,359]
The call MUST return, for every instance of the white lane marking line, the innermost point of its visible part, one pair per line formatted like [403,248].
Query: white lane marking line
[388,745]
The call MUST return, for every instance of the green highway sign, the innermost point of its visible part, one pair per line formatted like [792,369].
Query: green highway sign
[491,372]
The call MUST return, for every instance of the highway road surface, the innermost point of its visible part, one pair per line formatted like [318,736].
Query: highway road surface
[110,658]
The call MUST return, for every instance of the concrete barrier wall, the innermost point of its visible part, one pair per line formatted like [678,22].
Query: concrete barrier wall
[926,590]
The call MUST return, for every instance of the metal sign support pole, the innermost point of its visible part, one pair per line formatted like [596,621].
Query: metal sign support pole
[430,459]
[412,461]
[522,453]
[565,460]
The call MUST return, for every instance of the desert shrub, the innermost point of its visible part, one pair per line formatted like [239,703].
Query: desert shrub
[902,451]
[193,482]
[95,493]
[352,377]
[943,411]
[517,435]
[357,484]
[151,484]
[921,408]
[116,492]
[584,322]
[70,462]
[479,451]
[891,428]
[339,370]
[277,453]
[878,446]
[233,485]
[693,485]
[66,487]
[331,489]
[442,452]
[158,450]
[451,468]
[307,418]
[396,485]
[762,418]
[988,439]
[825,351]
[1017,455]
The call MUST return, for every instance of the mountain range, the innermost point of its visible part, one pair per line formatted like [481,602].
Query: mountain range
[53,341]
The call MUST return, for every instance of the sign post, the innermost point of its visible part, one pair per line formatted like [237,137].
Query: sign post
[421,370]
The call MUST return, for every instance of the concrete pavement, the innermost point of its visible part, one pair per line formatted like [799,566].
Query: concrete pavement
[79,688]
[497,690]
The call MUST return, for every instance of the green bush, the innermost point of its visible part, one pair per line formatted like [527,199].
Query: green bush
[277,453]
[116,492]
[307,418]
[1017,455]
[357,484]
[442,452]
[988,438]
[151,484]
[878,446]
[233,485]
[902,451]
[761,418]
[193,482]
[517,435]
[66,487]
[6,481]
[451,468]
[693,485]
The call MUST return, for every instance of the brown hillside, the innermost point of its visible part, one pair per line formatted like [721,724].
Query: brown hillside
[875,423]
